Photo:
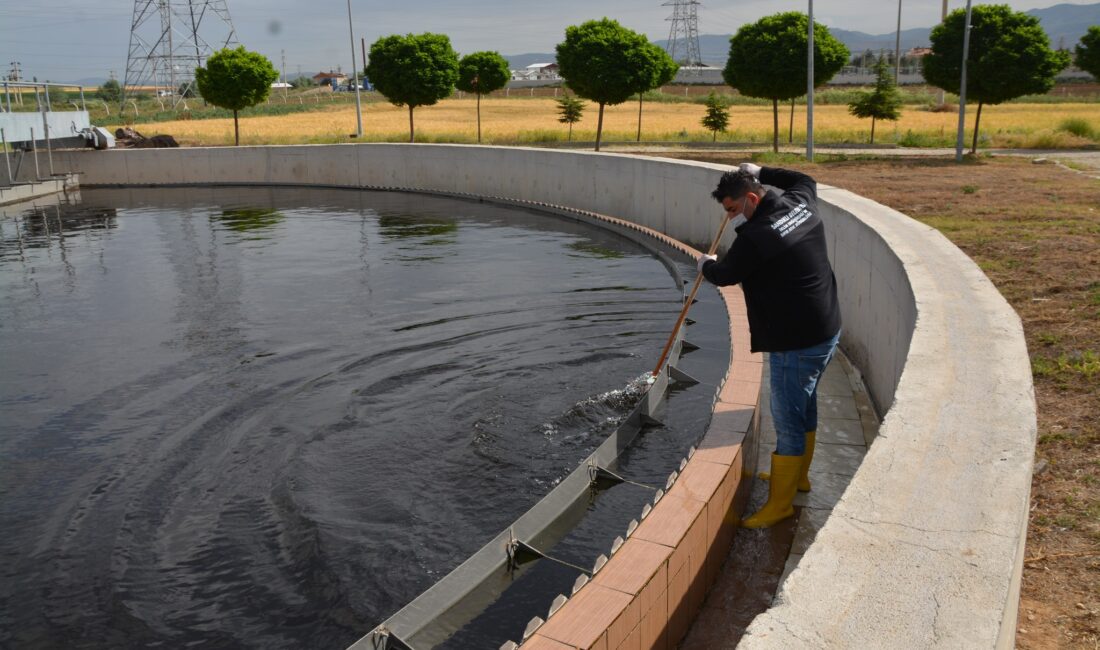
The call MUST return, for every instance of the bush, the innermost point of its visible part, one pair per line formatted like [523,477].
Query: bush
[1078,127]
[911,139]
[110,91]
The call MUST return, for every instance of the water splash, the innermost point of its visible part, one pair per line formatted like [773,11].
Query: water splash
[596,414]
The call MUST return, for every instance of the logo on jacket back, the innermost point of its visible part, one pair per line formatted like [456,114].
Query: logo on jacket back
[793,219]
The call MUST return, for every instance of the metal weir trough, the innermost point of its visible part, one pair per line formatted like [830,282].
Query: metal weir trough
[441,611]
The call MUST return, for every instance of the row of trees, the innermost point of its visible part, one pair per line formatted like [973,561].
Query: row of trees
[868,59]
[420,69]
[1009,56]
[604,62]
[600,60]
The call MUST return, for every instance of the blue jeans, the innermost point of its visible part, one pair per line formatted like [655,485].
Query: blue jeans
[794,376]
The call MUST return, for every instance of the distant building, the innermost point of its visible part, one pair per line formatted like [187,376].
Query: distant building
[918,52]
[330,78]
[281,84]
[537,71]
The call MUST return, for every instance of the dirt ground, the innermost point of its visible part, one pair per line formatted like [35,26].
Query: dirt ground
[1035,230]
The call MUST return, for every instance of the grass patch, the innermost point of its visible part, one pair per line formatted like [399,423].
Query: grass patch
[1077,126]
[1084,364]
[1094,294]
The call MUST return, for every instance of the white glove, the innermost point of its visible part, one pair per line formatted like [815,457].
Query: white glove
[751,168]
[703,259]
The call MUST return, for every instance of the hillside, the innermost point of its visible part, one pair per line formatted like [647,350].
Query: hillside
[1065,24]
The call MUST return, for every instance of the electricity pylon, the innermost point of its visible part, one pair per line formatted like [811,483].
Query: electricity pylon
[169,39]
[683,37]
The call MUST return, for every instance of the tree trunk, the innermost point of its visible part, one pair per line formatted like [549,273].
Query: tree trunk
[639,117]
[570,131]
[599,128]
[872,129]
[236,130]
[479,118]
[715,138]
[411,124]
[977,121]
[775,125]
[790,129]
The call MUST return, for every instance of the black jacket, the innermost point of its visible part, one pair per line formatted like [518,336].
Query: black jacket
[780,260]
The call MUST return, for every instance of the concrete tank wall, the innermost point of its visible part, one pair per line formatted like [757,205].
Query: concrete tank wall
[925,548]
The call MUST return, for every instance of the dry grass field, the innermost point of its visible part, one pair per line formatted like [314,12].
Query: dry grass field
[534,120]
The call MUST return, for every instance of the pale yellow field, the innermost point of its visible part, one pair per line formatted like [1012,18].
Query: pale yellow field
[535,120]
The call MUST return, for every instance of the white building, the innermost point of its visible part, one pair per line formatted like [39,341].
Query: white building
[537,71]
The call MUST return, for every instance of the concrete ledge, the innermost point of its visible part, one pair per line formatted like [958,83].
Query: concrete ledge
[925,547]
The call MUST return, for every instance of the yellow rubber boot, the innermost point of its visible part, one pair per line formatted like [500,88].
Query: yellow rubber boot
[784,485]
[807,458]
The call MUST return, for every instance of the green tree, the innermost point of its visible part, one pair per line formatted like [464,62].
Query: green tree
[481,73]
[882,103]
[234,80]
[718,115]
[768,59]
[1009,56]
[110,91]
[413,70]
[598,60]
[570,110]
[1087,52]
[655,68]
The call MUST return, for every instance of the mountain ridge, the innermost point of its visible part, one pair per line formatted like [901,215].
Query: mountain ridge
[1064,24]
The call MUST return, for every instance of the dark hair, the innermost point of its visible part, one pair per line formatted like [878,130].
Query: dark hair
[736,183]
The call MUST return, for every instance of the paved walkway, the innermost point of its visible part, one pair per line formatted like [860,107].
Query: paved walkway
[761,559]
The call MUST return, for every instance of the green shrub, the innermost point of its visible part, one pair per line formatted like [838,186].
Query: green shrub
[911,139]
[1079,127]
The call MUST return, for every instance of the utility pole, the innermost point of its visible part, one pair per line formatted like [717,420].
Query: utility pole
[355,79]
[962,87]
[282,53]
[943,19]
[13,75]
[897,48]
[810,87]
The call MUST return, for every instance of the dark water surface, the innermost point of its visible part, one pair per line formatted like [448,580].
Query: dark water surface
[269,418]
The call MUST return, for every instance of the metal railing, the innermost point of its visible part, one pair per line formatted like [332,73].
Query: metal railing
[40,89]
[22,131]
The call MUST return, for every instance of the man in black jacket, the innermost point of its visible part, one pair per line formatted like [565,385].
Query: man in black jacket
[780,260]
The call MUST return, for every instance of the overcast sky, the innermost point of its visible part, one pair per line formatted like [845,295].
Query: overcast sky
[65,40]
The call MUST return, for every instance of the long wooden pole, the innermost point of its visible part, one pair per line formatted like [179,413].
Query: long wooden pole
[810,85]
[687,303]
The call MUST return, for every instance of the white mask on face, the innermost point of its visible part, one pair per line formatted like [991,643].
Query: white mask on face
[741,217]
